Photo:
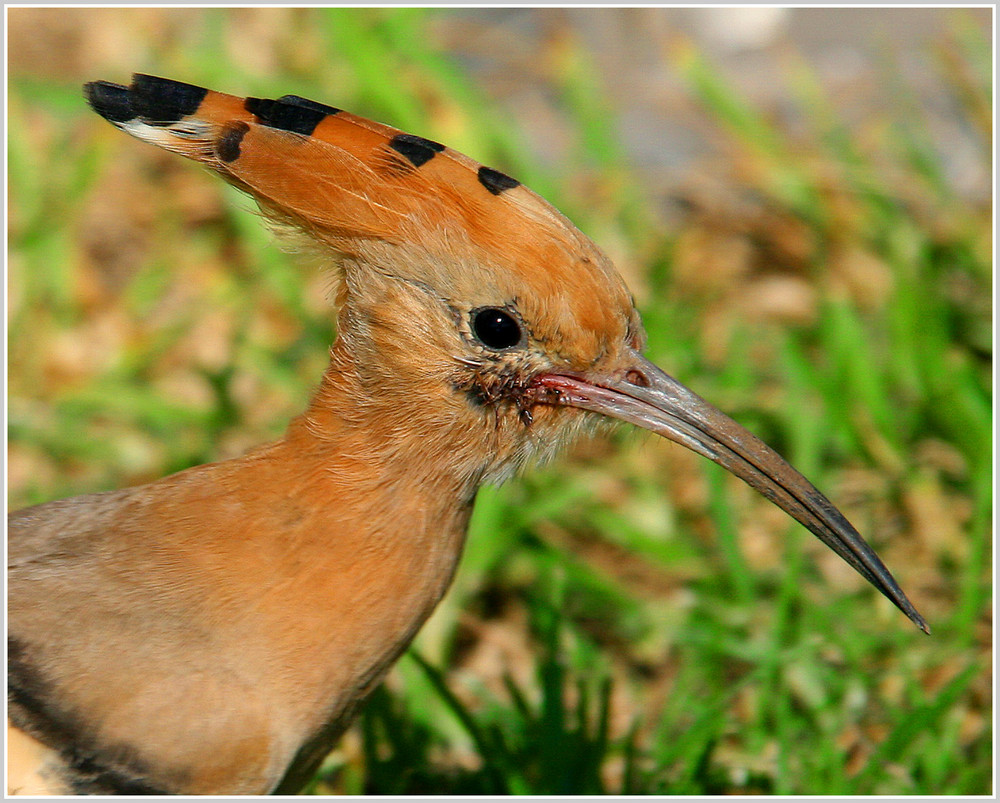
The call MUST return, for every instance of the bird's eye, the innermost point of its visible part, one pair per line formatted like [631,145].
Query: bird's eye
[495,328]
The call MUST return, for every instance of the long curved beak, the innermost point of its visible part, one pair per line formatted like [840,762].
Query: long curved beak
[647,397]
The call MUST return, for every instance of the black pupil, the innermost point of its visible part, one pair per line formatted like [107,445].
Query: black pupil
[496,329]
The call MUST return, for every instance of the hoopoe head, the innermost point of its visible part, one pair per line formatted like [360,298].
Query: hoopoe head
[468,305]
[457,285]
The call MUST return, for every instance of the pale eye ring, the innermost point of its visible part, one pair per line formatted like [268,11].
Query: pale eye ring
[496,328]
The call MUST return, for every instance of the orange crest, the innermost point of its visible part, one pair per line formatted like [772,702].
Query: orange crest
[361,187]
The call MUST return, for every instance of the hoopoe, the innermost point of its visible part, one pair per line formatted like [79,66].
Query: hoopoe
[215,631]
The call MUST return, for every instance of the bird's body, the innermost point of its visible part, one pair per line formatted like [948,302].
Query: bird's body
[216,651]
[214,631]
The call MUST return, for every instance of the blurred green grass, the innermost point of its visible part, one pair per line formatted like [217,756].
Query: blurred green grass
[630,619]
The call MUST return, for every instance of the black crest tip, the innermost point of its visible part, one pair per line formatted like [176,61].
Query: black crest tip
[111,101]
[161,101]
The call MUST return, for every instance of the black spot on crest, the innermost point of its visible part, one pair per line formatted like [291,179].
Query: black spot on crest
[417,149]
[294,117]
[305,103]
[228,146]
[495,181]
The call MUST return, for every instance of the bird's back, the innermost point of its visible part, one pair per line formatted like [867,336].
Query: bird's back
[113,655]
[191,635]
